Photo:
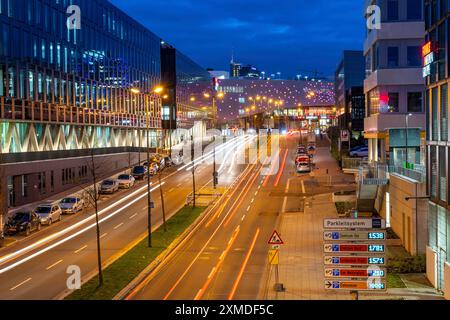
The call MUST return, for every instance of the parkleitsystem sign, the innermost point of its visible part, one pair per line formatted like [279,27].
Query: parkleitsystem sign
[355,254]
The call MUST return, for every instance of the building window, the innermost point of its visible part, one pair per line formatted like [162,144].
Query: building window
[24,186]
[414,101]
[414,9]
[392,10]
[434,115]
[444,113]
[392,57]
[52,181]
[433,172]
[393,102]
[442,174]
[414,57]
[41,179]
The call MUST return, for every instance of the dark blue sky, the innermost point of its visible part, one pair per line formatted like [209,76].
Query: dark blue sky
[275,35]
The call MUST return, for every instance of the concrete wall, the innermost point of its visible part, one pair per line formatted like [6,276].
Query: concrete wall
[447,281]
[431,266]
[403,213]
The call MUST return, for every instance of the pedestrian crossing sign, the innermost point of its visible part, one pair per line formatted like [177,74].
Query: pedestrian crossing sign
[275,238]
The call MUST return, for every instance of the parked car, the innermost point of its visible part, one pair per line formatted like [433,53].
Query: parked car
[139,172]
[168,162]
[126,181]
[109,186]
[361,153]
[49,213]
[71,205]
[153,169]
[23,222]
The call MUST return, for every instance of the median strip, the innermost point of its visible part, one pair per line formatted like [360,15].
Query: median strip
[124,270]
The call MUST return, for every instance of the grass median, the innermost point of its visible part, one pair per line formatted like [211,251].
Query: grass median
[120,273]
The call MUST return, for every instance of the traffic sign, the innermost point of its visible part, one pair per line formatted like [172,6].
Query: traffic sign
[274,257]
[355,272]
[354,223]
[276,247]
[355,260]
[275,239]
[354,235]
[370,285]
[354,248]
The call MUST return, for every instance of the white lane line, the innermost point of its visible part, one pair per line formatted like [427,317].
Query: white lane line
[212,272]
[118,226]
[253,200]
[103,235]
[248,209]
[20,284]
[243,218]
[283,209]
[53,265]
[303,187]
[171,190]
[133,216]
[81,249]
[72,227]
[256,193]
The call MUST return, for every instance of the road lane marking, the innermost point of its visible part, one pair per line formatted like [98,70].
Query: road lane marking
[256,193]
[272,168]
[253,200]
[104,235]
[218,265]
[248,209]
[303,187]
[283,208]
[118,226]
[54,265]
[241,272]
[243,217]
[20,284]
[133,216]
[281,169]
[81,249]
[63,232]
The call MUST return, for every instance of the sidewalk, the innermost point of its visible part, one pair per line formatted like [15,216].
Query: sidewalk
[301,257]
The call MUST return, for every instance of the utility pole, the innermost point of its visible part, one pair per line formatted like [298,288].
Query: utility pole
[193,170]
[149,193]
[3,195]
[215,173]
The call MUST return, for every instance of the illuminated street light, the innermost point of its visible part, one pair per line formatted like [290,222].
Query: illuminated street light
[135,91]
[158,90]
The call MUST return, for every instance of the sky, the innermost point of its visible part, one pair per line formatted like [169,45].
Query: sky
[287,36]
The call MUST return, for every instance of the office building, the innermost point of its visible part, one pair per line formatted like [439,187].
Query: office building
[436,70]
[67,94]
[349,81]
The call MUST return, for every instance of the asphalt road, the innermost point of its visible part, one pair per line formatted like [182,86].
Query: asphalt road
[35,267]
[226,258]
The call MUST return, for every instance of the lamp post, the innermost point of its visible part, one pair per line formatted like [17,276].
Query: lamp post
[407,138]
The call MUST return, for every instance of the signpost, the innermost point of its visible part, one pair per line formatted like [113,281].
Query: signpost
[355,254]
[274,258]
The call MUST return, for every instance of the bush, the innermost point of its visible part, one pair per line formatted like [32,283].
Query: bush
[406,264]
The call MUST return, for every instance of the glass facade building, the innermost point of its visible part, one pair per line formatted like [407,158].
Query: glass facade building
[438,143]
[75,82]
[69,90]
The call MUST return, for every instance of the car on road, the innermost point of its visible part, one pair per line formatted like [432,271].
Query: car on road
[139,172]
[71,205]
[109,186]
[126,181]
[168,162]
[304,167]
[23,222]
[48,213]
[360,153]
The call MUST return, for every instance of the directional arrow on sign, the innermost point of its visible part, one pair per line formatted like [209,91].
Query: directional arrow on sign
[328,284]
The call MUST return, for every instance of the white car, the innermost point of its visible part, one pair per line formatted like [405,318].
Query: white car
[126,181]
[71,205]
[49,213]
[303,167]
[109,186]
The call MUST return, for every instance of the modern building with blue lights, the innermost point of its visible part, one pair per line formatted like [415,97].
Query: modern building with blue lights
[67,93]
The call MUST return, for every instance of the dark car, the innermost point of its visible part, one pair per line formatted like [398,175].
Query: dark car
[23,222]
[139,172]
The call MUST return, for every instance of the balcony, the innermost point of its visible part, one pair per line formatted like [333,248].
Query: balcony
[395,30]
[381,122]
[394,77]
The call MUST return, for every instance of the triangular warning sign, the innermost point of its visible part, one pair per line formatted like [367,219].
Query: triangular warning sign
[275,238]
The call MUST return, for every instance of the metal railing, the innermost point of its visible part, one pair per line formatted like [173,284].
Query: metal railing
[374,174]
[418,174]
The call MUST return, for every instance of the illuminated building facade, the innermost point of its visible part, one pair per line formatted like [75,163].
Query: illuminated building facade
[68,93]
[436,70]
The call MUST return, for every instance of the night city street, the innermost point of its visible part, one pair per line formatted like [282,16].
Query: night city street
[238,159]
